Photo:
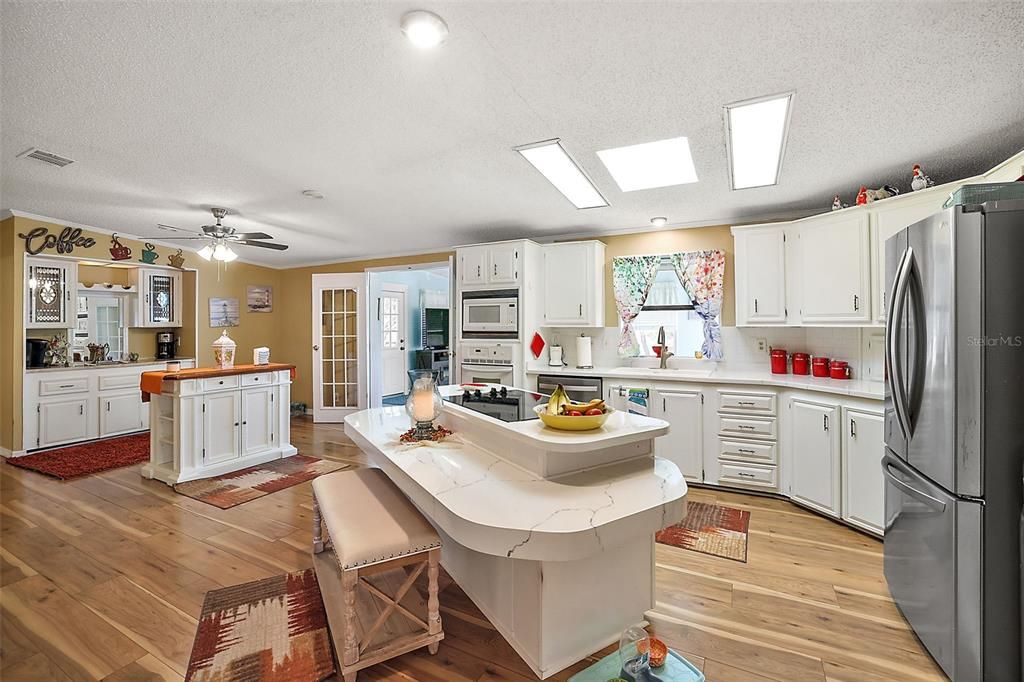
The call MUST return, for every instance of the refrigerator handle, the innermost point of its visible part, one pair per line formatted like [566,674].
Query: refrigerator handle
[888,465]
[897,383]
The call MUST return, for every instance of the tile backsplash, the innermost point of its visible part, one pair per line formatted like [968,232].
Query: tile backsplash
[859,347]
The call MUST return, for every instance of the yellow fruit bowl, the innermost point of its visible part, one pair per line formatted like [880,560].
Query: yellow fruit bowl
[563,422]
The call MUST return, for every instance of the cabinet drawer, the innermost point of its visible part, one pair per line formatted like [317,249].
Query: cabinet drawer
[62,386]
[751,427]
[752,475]
[747,403]
[220,383]
[747,451]
[119,382]
[257,379]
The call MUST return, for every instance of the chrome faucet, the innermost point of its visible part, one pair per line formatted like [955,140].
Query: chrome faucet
[665,353]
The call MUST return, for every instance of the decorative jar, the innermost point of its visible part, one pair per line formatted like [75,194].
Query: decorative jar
[224,351]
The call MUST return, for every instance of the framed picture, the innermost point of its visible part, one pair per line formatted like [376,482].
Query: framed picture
[223,312]
[259,298]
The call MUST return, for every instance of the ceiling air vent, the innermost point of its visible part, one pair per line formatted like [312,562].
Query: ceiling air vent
[47,157]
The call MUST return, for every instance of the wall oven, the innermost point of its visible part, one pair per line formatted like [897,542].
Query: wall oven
[490,314]
[488,363]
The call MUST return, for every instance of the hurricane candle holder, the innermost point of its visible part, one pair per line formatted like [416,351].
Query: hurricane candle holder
[424,405]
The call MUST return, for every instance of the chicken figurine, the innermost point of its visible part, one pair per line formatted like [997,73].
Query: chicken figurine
[920,180]
[866,196]
[837,203]
[862,196]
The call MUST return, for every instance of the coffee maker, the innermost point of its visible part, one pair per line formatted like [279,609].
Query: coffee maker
[164,345]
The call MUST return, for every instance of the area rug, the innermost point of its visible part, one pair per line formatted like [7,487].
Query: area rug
[88,458]
[273,630]
[711,529]
[254,482]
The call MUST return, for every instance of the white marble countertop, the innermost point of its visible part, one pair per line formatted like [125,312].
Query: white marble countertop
[141,362]
[856,388]
[495,507]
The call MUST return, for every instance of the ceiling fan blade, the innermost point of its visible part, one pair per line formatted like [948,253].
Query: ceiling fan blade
[164,237]
[172,228]
[251,235]
[265,245]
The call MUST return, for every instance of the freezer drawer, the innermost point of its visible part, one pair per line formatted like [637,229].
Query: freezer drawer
[933,564]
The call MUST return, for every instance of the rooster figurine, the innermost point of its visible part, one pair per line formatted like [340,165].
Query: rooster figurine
[866,196]
[862,196]
[837,203]
[920,180]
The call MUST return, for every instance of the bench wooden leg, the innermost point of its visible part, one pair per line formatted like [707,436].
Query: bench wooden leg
[433,605]
[349,582]
[318,540]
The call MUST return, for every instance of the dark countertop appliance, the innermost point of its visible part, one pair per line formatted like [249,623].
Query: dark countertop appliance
[164,345]
[35,353]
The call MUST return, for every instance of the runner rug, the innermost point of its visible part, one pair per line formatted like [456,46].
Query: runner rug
[87,458]
[240,486]
[711,529]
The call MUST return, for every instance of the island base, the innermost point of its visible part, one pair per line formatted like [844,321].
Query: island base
[555,613]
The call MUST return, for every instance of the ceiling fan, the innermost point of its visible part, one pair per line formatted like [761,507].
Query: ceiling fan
[221,236]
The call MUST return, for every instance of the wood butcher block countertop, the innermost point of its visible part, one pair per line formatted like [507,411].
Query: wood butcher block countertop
[211,372]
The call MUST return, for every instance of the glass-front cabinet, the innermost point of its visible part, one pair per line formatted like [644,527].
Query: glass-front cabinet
[159,293]
[50,287]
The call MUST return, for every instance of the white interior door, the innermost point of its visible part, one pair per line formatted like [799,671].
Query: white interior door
[394,327]
[339,349]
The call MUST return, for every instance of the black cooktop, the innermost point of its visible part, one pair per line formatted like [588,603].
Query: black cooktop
[506,404]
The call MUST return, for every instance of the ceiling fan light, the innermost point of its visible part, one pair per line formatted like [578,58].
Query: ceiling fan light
[220,252]
[206,252]
[229,255]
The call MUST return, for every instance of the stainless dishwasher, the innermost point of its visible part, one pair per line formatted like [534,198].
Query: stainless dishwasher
[580,389]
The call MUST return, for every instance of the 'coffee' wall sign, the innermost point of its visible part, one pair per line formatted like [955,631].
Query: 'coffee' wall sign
[40,238]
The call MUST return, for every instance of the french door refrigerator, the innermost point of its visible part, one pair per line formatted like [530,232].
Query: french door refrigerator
[954,435]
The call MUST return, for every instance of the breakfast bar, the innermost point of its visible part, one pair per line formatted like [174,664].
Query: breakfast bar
[550,533]
[210,421]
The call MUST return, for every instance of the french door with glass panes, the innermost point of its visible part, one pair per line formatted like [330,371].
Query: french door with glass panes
[339,364]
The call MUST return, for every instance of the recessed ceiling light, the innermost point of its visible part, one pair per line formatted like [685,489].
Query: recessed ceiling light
[756,132]
[312,194]
[659,221]
[557,166]
[424,29]
[652,164]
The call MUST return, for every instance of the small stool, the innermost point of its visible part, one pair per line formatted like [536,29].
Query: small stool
[378,541]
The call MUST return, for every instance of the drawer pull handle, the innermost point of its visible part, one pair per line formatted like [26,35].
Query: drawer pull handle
[746,451]
[67,385]
[221,383]
[744,474]
[745,427]
[746,402]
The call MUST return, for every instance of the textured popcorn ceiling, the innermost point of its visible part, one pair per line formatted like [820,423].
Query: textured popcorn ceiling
[170,107]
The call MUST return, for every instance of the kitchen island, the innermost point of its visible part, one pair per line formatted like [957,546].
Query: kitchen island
[208,421]
[550,533]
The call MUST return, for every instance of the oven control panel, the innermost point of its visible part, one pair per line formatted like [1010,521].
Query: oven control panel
[488,353]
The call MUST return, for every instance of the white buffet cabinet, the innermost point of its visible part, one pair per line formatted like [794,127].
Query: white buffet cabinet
[206,427]
[816,442]
[66,405]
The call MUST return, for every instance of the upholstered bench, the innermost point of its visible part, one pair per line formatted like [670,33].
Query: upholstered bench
[377,544]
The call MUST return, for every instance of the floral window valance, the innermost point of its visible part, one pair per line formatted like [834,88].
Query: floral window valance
[702,276]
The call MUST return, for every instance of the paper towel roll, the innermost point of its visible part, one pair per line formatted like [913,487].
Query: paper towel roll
[584,358]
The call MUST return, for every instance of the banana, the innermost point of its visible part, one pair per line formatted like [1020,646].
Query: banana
[558,400]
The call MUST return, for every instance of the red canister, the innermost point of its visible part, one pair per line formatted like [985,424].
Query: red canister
[801,363]
[779,357]
[819,367]
[839,369]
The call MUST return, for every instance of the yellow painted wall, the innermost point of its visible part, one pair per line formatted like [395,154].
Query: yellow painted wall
[671,241]
[296,346]
[255,329]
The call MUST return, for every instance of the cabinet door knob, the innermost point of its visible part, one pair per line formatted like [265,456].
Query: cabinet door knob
[316,347]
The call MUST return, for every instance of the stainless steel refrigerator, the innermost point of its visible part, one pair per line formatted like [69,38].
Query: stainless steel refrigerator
[954,435]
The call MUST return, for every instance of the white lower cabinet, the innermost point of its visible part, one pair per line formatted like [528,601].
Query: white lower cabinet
[221,421]
[120,413]
[258,419]
[682,409]
[863,483]
[63,421]
[815,455]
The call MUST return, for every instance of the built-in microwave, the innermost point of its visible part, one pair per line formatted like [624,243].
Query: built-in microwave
[491,314]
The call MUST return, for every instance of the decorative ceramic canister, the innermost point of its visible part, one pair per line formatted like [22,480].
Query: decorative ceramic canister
[224,351]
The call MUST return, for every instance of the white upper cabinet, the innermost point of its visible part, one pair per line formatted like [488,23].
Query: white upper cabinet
[760,275]
[574,284]
[814,447]
[863,483]
[833,269]
[159,297]
[50,287]
[490,264]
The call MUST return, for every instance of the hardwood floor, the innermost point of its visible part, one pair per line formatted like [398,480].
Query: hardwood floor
[104,577]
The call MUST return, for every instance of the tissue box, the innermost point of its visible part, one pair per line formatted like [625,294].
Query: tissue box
[261,356]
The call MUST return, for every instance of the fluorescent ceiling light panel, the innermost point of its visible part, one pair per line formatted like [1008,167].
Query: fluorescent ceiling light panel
[653,164]
[756,132]
[555,164]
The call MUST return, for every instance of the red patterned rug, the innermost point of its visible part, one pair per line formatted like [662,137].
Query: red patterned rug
[711,529]
[244,485]
[88,458]
[273,630]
